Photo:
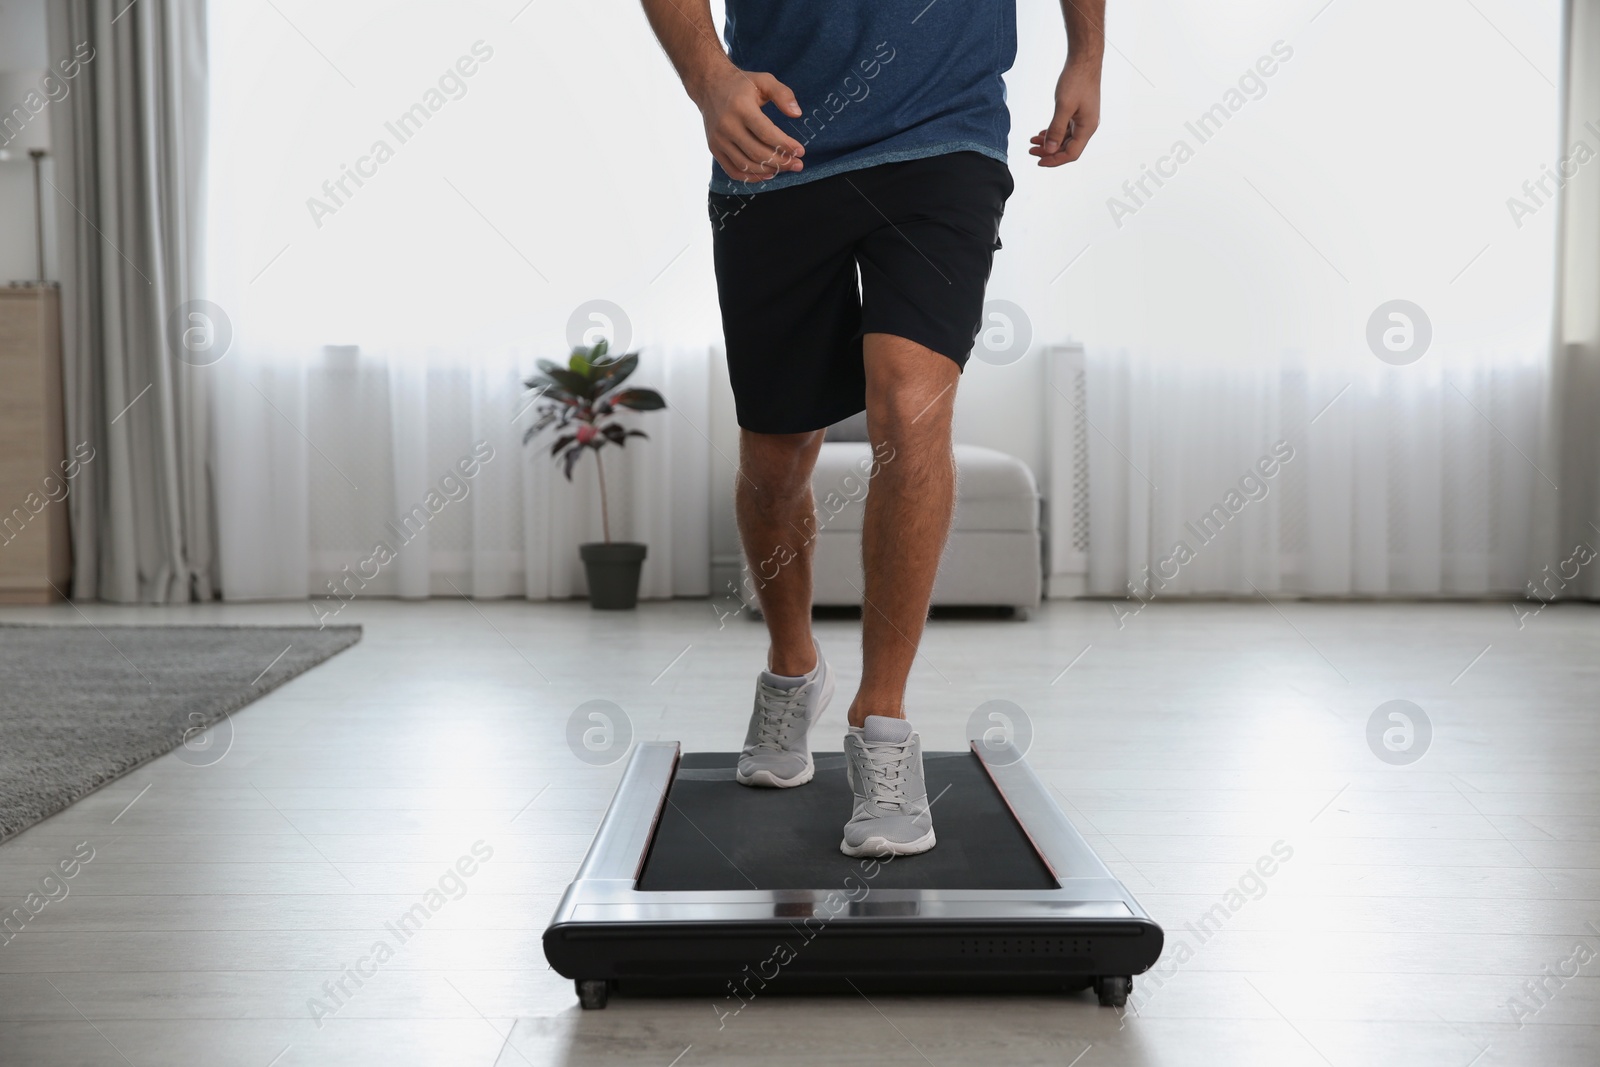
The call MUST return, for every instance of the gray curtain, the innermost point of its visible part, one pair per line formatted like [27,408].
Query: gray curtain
[1573,447]
[130,144]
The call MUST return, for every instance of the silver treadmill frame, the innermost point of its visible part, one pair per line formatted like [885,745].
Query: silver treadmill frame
[604,889]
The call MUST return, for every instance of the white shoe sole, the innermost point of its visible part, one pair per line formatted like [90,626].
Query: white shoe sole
[768,780]
[882,846]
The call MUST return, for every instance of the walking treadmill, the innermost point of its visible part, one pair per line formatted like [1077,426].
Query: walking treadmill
[696,884]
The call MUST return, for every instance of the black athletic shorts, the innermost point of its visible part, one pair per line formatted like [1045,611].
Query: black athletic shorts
[921,232]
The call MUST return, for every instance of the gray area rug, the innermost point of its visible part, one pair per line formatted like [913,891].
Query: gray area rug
[80,706]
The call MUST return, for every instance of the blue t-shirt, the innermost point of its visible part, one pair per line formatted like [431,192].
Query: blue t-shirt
[879,80]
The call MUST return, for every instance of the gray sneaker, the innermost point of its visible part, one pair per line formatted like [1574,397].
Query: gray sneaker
[776,753]
[892,816]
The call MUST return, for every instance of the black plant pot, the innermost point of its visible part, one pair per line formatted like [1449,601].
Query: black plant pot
[613,572]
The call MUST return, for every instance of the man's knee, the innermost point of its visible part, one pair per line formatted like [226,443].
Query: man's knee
[911,391]
[777,466]
[910,414]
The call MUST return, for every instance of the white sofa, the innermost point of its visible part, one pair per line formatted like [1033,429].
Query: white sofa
[993,555]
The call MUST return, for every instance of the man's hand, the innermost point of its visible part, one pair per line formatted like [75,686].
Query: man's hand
[1076,118]
[742,139]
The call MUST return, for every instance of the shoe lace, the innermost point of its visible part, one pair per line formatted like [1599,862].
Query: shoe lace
[888,769]
[781,712]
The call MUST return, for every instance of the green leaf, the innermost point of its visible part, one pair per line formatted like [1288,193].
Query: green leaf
[622,367]
[551,390]
[572,383]
[562,442]
[612,373]
[639,399]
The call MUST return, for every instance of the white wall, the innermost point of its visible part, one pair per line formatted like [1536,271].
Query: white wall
[22,48]
[22,34]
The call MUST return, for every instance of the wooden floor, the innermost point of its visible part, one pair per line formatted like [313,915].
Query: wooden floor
[1417,906]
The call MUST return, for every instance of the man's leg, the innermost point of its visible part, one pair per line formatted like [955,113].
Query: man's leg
[773,503]
[911,393]
[923,273]
[772,500]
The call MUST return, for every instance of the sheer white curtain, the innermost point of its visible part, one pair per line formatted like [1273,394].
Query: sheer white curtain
[1571,543]
[412,203]
[1267,178]
[325,458]
[1307,480]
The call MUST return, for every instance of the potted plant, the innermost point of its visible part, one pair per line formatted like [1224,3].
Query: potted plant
[580,401]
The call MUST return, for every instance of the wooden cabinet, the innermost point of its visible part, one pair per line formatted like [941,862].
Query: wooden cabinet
[37,472]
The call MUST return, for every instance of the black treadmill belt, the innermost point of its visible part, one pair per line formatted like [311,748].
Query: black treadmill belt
[716,834]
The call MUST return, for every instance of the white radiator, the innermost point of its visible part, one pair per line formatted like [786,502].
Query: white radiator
[1066,476]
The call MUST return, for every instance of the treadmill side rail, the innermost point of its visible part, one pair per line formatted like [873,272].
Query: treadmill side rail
[620,845]
[1054,837]
[1047,826]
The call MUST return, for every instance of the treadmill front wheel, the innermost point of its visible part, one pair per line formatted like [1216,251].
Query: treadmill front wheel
[1113,990]
[592,992]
